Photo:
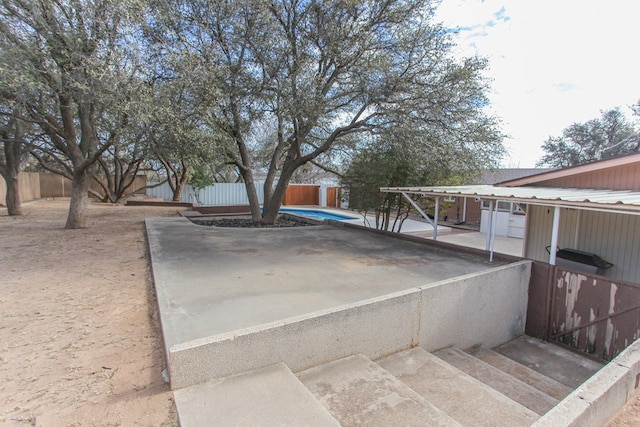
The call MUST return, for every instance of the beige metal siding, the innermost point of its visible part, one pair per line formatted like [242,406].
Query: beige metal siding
[540,222]
[614,237]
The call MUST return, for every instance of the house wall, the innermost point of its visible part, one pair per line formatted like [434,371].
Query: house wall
[455,212]
[614,237]
[625,177]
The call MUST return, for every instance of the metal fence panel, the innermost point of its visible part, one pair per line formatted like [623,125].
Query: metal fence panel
[221,194]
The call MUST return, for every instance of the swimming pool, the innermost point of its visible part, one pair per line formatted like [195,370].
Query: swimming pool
[317,214]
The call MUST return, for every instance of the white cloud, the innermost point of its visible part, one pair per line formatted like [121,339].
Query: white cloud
[553,62]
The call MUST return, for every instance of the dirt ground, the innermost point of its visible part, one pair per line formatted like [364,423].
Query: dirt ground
[80,339]
[80,342]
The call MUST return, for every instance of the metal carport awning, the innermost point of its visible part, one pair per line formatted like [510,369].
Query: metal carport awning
[612,201]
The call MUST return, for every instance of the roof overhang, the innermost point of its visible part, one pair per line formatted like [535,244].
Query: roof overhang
[622,201]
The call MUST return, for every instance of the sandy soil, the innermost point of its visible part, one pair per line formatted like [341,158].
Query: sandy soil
[80,343]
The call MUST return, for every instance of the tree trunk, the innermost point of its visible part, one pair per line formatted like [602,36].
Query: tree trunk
[181,180]
[252,195]
[13,198]
[272,206]
[77,217]
[177,193]
[10,170]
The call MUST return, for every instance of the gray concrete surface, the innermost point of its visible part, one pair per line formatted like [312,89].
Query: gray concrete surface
[358,392]
[460,396]
[597,400]
[521,392]
[215,280]
[269,396]
[502,244]
[554,361]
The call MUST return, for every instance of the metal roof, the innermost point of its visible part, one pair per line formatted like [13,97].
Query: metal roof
[621,201]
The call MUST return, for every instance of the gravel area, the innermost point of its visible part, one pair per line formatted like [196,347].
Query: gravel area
[281,221]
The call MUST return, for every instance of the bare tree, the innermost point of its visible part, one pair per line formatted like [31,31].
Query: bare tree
[12,132]
[76,61]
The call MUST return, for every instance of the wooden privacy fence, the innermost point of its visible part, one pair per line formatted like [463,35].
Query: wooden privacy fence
[302,195]
[52,185]
[34,185]
[29,184]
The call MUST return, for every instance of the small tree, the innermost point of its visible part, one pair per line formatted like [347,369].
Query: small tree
[200,179]
[416,157]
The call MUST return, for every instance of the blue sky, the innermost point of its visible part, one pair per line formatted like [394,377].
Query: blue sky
[552,62]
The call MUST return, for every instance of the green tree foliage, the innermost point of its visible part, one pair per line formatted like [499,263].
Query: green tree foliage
[318,76]
[422,160]
[610,135]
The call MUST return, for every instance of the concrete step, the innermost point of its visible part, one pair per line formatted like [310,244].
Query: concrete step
[513,388]
[564,366]
[460,396]
[527,375]
[265,397]
[358,392]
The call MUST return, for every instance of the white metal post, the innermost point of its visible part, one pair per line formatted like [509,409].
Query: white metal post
[554,235]
[488,244]
[435,219]
[464,210]
[493,231]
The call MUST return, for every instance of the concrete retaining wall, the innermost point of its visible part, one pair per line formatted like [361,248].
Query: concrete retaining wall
[487,307]
[601,397]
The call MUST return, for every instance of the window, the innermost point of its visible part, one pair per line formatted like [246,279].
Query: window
[502,206]
[518,209]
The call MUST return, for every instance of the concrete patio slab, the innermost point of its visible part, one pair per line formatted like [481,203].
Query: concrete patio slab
[215,280]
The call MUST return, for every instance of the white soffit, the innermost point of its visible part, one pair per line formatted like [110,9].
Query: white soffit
[622,201]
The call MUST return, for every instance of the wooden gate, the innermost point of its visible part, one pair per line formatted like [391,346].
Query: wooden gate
[334,195]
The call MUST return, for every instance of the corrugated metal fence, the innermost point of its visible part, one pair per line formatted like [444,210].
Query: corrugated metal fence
[223,194]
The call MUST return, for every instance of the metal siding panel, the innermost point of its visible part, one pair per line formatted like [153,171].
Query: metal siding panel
[568,218]
[635,249]
[540,224]
[615,238]
[222,194]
